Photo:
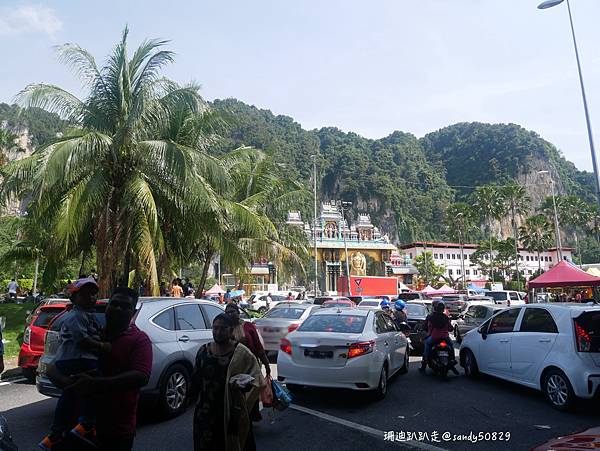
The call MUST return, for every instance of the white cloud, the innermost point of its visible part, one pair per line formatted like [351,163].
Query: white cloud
[29,19]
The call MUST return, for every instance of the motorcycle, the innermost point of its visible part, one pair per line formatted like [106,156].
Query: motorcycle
[6,442]
[441,358]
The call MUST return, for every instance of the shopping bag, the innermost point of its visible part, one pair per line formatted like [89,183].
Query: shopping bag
[281,396]
[266,395]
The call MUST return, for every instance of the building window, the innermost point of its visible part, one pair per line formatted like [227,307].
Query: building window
[459,272]
[468,272]
[410,255]
[449,272]
[448,256]
[550,259]
[475,272]
[528,258]
[435,256]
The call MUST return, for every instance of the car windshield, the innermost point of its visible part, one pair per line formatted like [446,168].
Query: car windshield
[497,295]
[285,312]
[45,316]
[373,303]
[416,310]
[350,324]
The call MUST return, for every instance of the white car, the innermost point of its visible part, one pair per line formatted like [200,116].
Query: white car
[370,303]
[554,348]
[343,348]
[506,297]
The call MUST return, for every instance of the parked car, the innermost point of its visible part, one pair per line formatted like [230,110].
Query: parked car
[554,348]
[350,348]
[506,297]
[340,303]
[455,303]
[177,328]
[473,317]
[32,347]
[280,320]
[414,296]
[46,301]
[321,299]
[258,303]
[374,303]
[416,313]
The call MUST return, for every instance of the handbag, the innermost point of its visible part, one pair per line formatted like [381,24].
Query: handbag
[266,395]
[281,396]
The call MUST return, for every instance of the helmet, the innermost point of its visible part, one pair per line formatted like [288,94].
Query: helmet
[439,307]
[385,304]
[400,304]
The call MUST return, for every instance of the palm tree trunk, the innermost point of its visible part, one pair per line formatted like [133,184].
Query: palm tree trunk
[208,257]
[539,263]
[577,247]
[516,237]
[491,254]
[82,266]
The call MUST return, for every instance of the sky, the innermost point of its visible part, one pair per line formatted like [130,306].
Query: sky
[370,67]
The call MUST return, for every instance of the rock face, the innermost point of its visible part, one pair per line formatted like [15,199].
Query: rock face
[22,148]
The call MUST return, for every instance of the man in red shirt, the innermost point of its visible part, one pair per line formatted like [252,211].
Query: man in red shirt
[124,372]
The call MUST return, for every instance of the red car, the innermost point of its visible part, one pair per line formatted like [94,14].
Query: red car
[33,337]
[339,302]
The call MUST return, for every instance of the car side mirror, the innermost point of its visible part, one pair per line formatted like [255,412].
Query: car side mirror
[483,331]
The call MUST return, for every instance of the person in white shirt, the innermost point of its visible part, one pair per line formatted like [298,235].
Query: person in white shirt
[12,289]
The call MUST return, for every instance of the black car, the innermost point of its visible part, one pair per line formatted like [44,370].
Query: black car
[474,316]
[416,315]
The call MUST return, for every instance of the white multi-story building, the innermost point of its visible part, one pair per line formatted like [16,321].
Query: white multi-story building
[449,255]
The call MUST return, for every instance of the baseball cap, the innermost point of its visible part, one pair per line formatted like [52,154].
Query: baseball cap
[76,286]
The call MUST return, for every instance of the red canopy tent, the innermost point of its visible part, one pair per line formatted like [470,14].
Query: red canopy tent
[429,290]
[564,274]
[445,290]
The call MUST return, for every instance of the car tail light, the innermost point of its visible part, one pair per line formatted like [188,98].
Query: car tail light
[362,348]
[584,342]
[293,327]
[27,335]
[285,346]
[443,344]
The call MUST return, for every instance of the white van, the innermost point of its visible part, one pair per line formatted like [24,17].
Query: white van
[506,297]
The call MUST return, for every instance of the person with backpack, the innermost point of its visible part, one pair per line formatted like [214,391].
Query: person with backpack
[438,327]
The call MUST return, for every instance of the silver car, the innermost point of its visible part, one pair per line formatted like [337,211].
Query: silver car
[177,328]
[280,320]
[474,316]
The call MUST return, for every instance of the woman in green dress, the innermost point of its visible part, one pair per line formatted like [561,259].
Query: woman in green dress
[221,419]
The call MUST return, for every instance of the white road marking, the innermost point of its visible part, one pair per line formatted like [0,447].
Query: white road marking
[366,429]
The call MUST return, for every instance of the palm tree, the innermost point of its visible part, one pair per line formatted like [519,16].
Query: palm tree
[131,168]
[576,214]
[460,221]
[518,203]
[488,201]
[536,235]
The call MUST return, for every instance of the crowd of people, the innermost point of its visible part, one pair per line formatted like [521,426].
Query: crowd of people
[102,369]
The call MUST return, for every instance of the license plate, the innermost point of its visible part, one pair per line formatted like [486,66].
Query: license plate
[318,354]
[443,354]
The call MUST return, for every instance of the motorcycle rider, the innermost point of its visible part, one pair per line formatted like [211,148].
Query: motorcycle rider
[399,314]
[438,325]
[385,306]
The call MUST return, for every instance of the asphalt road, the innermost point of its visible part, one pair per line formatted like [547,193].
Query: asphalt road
[346,420]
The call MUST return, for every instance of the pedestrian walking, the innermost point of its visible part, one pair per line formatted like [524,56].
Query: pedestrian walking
[78,352]
[269,301]
[245,333]
[125,370]
[13,287]
[221,298]
[221,417]
[290,296]
[176,290]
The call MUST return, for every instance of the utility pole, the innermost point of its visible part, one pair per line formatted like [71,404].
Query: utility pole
[314,228]
[342,205]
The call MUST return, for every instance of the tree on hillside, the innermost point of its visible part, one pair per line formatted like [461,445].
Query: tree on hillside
[490,204]
[536,235]
[460,221]
[429,271]
[503,262]
[518,203]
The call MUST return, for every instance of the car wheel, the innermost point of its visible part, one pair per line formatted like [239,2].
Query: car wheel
[174,390]
[558,389]
[381,389]
[404,368]
[470,364]
[457,335]
[29,374]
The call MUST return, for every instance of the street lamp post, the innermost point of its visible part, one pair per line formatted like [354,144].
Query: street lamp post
[342,205]
[556,224]
[314,157]
[549,4]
